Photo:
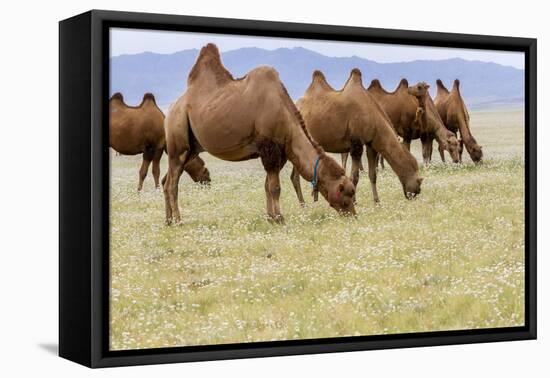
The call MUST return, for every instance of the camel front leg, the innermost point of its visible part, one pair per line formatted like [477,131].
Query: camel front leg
[295,178]
[371,158]
[427,146]
[356,166]
[344,157]
[156,167]
[460,149]
[407,144]
[175,169]
[273,193]
[143,170]
[442,153]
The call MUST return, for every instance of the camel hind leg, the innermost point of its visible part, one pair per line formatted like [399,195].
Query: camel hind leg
[380,162]
[156,166]
[371,158]
[147,158]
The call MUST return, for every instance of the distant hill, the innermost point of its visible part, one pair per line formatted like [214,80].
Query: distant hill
[165,75]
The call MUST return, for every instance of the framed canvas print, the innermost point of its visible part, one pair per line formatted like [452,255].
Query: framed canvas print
[234,188]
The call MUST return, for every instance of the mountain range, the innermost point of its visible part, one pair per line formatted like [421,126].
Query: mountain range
[165,75]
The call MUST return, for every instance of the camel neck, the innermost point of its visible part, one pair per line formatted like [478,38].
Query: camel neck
[399,160]
[386,143]
[465,131]
[302,154]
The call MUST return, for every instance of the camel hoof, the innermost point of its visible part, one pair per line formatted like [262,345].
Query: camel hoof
[277,219]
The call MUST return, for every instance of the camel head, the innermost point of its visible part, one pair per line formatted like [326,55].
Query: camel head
[411,187]
[335,186]
[203,176]
[419,90]
[196,168]
[410,179]
[452,146]
[476,153]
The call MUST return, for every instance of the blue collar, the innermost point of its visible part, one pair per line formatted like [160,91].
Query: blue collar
[314,179]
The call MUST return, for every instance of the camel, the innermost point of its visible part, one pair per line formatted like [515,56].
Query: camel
[413,115]
[140,130]
[247,118]
[346,120]
[453,111]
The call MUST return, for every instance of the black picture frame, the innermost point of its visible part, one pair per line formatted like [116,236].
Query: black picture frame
[84,188]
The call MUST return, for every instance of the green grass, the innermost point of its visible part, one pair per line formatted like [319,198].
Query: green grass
[451,259]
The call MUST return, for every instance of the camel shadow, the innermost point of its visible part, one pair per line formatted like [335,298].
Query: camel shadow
[51,348]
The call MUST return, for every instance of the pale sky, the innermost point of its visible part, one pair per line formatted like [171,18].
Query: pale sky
[134,41]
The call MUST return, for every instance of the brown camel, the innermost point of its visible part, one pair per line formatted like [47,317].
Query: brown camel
[242,119]
[414,115]
[453,111]
[140,130]
[346,120]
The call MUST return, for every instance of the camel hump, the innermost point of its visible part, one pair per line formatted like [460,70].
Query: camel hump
[441,87]
[117,96]
[355,77]
[355,72]
[267,72]
[318,80]
[210,49]
[456,85]
[375,84]
[209,61]
[404,83]
[318,75]
[149,96]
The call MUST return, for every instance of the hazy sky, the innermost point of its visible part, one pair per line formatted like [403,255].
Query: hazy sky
[133,41]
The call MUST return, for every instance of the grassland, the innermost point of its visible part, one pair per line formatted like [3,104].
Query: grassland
[451,259]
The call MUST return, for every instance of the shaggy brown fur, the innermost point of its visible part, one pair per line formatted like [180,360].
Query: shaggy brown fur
[140,130]
[452,109]
[348,119]
[413,115]
[244,119]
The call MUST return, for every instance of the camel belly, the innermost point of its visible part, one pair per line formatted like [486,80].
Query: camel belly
[225,138]
[238,154]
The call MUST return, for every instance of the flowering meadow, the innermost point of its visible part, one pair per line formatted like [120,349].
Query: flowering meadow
[451,259]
